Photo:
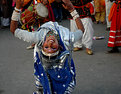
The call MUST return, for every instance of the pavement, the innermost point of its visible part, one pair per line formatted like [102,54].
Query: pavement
[95,74]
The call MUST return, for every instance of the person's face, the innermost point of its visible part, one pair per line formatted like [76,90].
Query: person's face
[50,45]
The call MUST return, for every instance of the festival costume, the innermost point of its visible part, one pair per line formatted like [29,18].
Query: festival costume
[85,12]
[31,17]
[34,13]
[115,29]
[99,10]
[57,75]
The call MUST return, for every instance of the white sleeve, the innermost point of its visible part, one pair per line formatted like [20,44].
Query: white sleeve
[67,36]
[31,37]
[75,36]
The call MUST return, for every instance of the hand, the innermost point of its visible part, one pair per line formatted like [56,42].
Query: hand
[19,4]
[68,5]
[45,2]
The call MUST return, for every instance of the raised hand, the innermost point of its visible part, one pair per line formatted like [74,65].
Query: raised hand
[19,4]
[68,5]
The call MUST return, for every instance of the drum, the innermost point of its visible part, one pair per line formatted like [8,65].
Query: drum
[33,14]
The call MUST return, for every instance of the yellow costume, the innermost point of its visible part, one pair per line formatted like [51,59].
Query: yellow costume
[99,10]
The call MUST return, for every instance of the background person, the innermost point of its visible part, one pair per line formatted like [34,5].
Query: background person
[108,5]
[6,10]
[99,11]
[85,12]
[114,41]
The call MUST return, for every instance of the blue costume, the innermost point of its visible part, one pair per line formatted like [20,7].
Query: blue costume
[59,78]
[56,75]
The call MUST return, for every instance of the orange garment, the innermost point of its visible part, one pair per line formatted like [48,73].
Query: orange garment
[99,5]
[38,1]
[50,1]
[112,11]
[99,10]
[102,2]
[90,6]
[115,29]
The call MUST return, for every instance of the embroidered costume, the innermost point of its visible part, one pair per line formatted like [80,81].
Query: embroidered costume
[99,10]
[56,75]
[115,29]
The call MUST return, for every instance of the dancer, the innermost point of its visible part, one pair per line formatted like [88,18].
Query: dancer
[54,67]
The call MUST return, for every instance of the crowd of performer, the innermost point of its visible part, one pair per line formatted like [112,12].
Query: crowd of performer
[35,21]
[95,11]
[7,7]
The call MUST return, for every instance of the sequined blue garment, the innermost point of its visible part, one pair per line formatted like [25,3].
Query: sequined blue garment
[62,79]
[56,80]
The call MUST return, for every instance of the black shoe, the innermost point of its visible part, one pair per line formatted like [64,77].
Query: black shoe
[114,50]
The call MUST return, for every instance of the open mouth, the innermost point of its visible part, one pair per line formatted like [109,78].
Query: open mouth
[50,54]
[51,40]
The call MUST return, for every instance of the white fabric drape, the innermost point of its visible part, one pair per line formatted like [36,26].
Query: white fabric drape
[108,5]
[87,39]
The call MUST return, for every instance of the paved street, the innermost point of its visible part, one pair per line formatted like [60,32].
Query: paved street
[96,74]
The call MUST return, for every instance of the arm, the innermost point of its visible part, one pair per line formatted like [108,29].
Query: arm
[22,34]
[14,22]
[69,6]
